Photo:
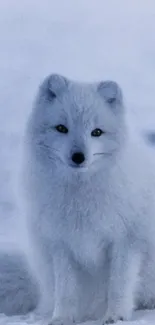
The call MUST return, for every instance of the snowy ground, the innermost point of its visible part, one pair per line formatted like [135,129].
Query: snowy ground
[140,318]
[82,39]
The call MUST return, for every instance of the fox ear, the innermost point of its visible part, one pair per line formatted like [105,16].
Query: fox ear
[111,92]
[52,86]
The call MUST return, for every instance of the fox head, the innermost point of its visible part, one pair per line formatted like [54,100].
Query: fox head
[76,125]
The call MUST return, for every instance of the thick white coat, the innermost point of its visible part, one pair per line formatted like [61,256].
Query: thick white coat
[92,227]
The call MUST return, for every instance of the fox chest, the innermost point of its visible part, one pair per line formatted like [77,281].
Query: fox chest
[79,224]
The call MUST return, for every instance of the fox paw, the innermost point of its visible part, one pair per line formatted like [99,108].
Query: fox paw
[113,317]
[117,314]
[59,321]
[112,320]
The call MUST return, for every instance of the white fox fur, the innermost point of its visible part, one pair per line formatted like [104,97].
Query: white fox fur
[91,226]
[19,292]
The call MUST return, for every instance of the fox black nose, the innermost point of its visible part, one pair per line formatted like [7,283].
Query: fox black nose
[78,158]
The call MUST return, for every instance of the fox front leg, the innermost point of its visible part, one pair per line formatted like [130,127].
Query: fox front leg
[123,279]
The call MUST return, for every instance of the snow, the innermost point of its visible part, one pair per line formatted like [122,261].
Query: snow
[139,318]
[82,39]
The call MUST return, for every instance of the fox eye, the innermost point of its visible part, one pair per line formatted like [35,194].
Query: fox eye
[61,128]
[97,133]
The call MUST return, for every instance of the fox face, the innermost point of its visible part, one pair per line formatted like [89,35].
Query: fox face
[78,126]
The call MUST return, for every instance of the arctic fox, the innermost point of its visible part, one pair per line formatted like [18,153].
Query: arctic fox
[90,210]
